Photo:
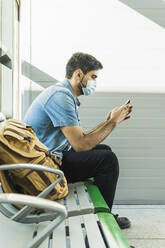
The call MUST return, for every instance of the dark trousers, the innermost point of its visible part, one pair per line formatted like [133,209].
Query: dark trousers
[100,163]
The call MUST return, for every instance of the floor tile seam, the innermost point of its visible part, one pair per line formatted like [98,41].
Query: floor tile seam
[128,238]
[142,208]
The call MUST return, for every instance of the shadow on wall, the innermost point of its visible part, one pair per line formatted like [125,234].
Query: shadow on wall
[154,10]
[27,98]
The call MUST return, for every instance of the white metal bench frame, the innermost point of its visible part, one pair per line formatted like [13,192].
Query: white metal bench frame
[81,229]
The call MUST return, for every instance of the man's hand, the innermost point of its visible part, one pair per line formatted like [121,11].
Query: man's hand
[120,114]
[109,116]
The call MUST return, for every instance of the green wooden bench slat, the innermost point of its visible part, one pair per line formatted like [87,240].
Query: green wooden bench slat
[96,197]
[112,231]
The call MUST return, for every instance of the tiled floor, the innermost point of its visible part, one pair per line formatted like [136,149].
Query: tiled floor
[148,225]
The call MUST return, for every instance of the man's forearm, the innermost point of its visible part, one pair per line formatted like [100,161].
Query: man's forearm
[95,128]
[101,124]
[98,134]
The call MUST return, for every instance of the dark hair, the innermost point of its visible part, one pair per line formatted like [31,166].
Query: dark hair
[83,61]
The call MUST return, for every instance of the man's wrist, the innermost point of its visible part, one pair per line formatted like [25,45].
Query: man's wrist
[112,121]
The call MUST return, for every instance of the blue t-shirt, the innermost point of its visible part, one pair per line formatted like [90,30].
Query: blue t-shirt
[55,107]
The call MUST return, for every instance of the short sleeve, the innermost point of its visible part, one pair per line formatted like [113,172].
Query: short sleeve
[61,109]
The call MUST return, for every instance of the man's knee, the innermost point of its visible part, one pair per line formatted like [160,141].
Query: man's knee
[111,161]
[106,147]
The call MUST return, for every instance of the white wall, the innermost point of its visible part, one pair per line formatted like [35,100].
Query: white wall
[130,46]
[28,87]
[6,94]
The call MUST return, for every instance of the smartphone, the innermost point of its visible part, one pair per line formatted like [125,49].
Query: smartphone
[128,101]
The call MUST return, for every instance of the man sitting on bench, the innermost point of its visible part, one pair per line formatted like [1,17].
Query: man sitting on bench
[54,118]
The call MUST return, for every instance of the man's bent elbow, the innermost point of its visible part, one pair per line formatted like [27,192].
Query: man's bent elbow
[82,147]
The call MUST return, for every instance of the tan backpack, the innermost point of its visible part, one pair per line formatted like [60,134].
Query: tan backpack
[19,144]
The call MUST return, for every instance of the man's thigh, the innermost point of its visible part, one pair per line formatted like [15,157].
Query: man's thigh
[102,147]
[78,166]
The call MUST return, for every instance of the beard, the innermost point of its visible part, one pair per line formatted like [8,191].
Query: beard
[80,85]
[80,89]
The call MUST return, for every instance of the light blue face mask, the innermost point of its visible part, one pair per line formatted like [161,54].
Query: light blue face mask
[90,87]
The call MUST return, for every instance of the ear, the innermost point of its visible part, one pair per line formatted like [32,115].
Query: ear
[78,73]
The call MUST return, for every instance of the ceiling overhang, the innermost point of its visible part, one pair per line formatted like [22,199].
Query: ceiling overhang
[152,9]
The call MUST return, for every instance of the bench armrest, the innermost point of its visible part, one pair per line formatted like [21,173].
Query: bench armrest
[28,209]
[34,202]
